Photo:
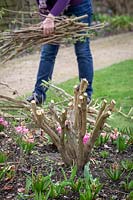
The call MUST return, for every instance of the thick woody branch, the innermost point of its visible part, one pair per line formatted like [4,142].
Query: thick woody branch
[104,103]
[95,133]
[83,86]
[40,119]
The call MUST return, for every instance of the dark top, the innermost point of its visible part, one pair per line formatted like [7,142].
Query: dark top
[56,7]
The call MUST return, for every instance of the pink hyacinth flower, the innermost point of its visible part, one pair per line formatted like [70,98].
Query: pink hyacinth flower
[1,120]
[30,140]
[114,136]
[25,130]
[86,138]
[5,123]
[22,129]
[19,129]
[59,129]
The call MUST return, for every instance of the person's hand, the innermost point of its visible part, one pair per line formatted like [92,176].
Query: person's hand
[48,25]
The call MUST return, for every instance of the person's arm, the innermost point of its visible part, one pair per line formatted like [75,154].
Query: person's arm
[48,24]
[59,7]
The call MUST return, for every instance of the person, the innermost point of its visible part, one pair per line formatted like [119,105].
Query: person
[69,8]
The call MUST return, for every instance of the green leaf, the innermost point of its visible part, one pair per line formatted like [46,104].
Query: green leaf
[64,174]
[88,193]
[73,173]
[28,184]
[130,186]
[87,174]
[82,196]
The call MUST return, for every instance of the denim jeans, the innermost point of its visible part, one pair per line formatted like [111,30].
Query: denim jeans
[82,51]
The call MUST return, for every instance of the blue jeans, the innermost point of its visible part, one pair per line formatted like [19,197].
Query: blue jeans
[82,51]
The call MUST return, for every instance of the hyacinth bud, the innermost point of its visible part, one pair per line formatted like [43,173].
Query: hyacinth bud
[86,138]
[59,129]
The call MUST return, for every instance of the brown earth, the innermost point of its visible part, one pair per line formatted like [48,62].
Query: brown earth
[20,73]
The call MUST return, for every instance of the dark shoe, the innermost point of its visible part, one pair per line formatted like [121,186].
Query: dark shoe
[39,99]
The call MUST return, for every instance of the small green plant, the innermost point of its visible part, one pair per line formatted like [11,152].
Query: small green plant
[104,154]
[130,196]
[3,157]
[24,139]
[127,165]
[121,143]
[91,186]
[40,183]
[44,188]
[114,172]
[26,146]
[102,139]
[3,171]
[7,172]
[129,132]
[127,185]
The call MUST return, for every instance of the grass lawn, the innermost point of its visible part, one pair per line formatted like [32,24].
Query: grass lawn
[114,82]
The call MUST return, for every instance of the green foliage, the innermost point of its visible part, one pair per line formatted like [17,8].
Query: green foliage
[116,23]
[104,154]
[129,132]
[121,143]
[40,183]
[130,196]
[1,127]
[74,183]
[114,172]
[6,172]
[3,171]
[3,157]
[101,140]
[92,185]
[122,22]
[26,146]
[42,187]
[127,185]
[127,165]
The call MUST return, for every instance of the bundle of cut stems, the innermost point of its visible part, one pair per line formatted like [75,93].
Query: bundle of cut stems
[66,30]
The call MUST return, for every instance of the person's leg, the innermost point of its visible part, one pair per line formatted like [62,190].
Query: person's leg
[45,71]
[82,49]
[85,63]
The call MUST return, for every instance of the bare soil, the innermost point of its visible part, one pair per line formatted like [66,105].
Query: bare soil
[20,73]
[45,157]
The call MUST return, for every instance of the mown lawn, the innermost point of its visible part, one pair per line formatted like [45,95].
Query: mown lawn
[114,82]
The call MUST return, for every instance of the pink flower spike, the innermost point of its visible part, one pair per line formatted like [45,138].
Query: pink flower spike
[25,130]
[59,129]
[103,134]
[86,138]
[30,140]
[1,120]
[19,129]
[22,129]
[5,123]
[113,136]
